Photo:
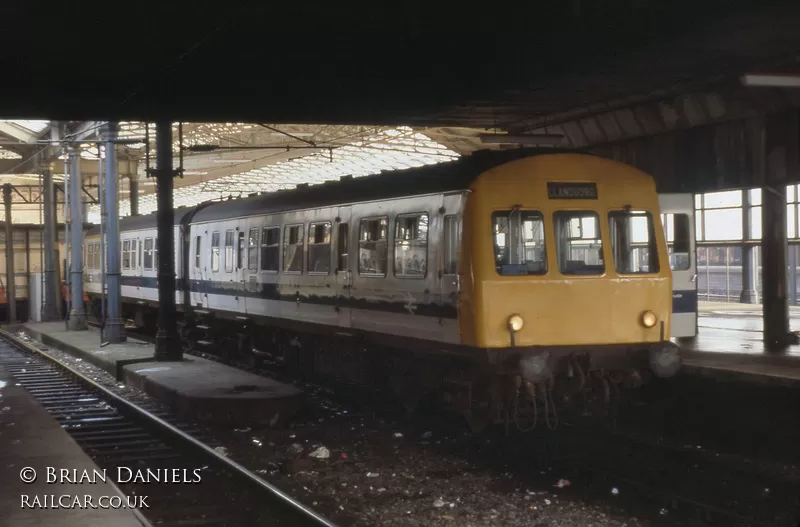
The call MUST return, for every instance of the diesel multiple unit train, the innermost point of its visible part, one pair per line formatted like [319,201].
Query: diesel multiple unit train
[502,284]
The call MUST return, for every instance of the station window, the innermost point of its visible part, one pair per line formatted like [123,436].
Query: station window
[148,254]
[410,245]
[126,254]
[215,251]
[519,242]
[229,251]
[578,244]
[451,242]
[270,248]
[373,246]
[319,248]
[240,248]
[197,253]
[678,231]
[633,242]
[293,249]
[252,250]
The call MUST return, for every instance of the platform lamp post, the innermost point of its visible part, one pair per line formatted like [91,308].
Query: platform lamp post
[776,150]
[168,346]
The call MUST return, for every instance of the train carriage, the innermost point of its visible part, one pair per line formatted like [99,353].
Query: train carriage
[498,282]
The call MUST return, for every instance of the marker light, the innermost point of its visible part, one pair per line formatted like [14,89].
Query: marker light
[515,323]
[649,319]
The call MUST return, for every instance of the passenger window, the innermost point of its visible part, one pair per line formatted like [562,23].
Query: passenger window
[215,251]
[678,232]
[293,249]
[240,252]
[270,246]
[252,250]
[451,240]
[578,245]
[341,246]
[373,246]
[155,254]
[633,242]
[410,245]
[126,254]
[519,242]
[229,251]
[148,254]
[319,248]
[197,245]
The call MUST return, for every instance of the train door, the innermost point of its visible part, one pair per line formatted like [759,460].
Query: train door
[240,268]
[200,247]
[448,250]
[250,268]
[677,216]
[343,258]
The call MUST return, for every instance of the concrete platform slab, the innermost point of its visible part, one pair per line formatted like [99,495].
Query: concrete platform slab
[30,437]
[729,346]
[196,388]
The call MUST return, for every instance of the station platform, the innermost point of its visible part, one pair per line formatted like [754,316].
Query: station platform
[195,388]
[31,438]
[730,346]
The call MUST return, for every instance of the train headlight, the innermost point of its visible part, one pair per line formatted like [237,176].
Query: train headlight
[649,319]
[515,323]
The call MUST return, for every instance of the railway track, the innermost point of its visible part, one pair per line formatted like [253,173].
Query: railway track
[119,435]
[690,486]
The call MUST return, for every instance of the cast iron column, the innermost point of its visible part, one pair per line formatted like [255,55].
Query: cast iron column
[11,289]
[167,343]
[50,311]
[133,194]
[77,313]
[114,327]
[749,295]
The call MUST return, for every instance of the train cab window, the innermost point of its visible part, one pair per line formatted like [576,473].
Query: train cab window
[678,231]
[519,242]
[319,248]
[240,247]
[579,247]
[229,251]
[215,251]
[148,254]
[197,253]
[252,250]
[270,248]
[633,242]
[410,245]
[126,254]
[293,249]
[342,243]
[373,246]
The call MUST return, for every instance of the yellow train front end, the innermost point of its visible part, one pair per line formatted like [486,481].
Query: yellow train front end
[565,277]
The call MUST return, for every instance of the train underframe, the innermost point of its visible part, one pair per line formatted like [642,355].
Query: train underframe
[522,388]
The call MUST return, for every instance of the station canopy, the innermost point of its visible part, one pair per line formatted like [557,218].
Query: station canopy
[229,160]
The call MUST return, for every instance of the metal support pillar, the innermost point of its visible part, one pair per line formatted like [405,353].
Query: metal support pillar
[51,310]
[780,152]
[749,295]
[11,289]
[168,346]
[793,275]
[114,326]
[133,195]
[77,314]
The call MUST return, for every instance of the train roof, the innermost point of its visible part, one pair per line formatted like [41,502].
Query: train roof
[448,176]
